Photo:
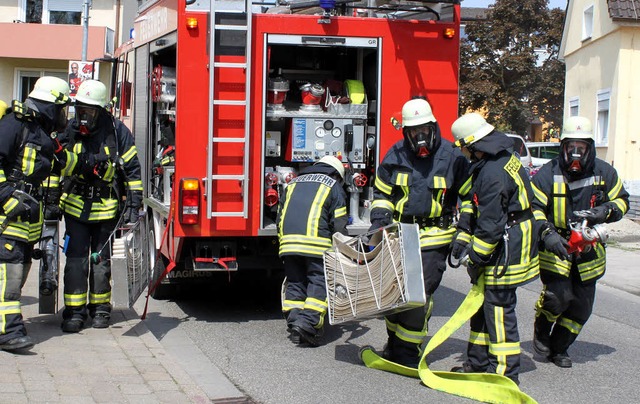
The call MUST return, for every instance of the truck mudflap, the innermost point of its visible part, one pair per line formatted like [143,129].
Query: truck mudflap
[130,270]
[48,252]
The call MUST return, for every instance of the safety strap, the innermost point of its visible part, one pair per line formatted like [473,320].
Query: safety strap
[485,387]
[172,264]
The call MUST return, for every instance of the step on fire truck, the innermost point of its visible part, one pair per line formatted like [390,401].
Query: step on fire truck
[228,100]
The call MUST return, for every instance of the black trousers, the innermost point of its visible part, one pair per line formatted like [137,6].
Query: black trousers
[408,329]
[305,301]
[494,343]
[565,305]
[15,263]
[80,275]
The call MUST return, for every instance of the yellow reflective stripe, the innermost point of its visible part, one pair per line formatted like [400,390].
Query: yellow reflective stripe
[72,160]
[402,179]
[134,185]
[479,338]
[77,148]
[501,337]
[340,212]
[516,274]
[52,181]
[285,208]
[434,236]
[622,205]
[466,207]
[302,239]
[570,325]
[526,228]
[129,154]
[382,204]
[549,262]
[75,300]
[539,195]
[559,203]
[613,193]
[539,215]
[595,268]
[315,213]
[402,201]
[3,178]
[482,247]
[466,187]
[436,208]
[464,236]
[414,337]
[98,298]
[288,305]
[10,204]
[382,186]
[302,249]
[439,182]
[9,308]
[28,160]
[391,326]
[504,349]
[316,305]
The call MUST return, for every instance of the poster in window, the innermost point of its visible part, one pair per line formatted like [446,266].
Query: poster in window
[79,72]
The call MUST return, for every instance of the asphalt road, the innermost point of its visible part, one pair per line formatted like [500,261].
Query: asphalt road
[238,327]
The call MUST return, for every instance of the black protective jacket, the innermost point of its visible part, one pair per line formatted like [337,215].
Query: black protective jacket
[501,192]
[314,208]
[557,197]
[107,169]
[425,190]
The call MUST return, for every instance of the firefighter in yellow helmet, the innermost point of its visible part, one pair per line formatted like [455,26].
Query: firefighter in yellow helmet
[571,187]
[28,153]
[419,181]
[314,208]
[502,249]
[108,170]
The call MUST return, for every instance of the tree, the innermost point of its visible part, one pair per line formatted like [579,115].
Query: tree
[509,65]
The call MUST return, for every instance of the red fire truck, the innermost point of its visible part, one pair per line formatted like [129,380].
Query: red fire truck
[228,100]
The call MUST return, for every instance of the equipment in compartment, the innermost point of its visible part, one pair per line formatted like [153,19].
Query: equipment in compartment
[277,93]
[163,84]
[313,138]
[363,284]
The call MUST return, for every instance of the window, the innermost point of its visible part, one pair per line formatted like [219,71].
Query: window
[52,11]
[602,127]
[574,106]
[587,23]
[27,79]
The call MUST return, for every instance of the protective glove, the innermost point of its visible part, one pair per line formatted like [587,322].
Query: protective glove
[90,164]
[596,215]
[554,243]
[475,264]
[459,245]
[131,213]
[52,212]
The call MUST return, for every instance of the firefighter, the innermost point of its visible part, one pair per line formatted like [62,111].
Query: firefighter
[107,169]
[502,249]
[27,155]
[574,181]
[419,181]
[314,208]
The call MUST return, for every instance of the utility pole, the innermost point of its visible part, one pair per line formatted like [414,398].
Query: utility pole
[85,28]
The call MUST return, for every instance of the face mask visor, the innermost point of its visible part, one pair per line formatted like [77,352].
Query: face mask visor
[575,153]
[87,118]
[421,138]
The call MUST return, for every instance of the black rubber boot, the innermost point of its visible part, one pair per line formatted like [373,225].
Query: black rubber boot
[100,321]
[304,336]
[72,325]
[561,360]
[17,344]
[465,368]
[541,338]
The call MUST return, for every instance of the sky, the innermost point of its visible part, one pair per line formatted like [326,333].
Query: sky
[561,4]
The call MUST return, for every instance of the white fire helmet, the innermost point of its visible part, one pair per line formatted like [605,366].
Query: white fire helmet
[417,112]
[335,163]
[51,89]
[92,92]
[577,127]
[470,128]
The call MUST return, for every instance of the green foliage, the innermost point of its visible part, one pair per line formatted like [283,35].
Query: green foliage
[500,70]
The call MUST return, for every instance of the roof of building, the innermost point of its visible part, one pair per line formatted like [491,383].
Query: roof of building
[624,9]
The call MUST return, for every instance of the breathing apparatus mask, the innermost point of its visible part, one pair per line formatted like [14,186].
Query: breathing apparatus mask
[87,117]
[421,138]
[576,155]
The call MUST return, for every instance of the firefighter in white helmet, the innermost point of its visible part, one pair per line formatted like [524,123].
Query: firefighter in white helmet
[571,187]
[313,209]
[419,181]
[28,153]
[101,192]
[502,251]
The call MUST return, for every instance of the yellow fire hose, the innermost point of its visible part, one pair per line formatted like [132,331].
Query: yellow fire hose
[486,387]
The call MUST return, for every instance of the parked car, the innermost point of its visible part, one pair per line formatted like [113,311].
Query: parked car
[542,152]
[520,148]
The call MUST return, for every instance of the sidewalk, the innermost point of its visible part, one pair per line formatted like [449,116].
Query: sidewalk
[122,364]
